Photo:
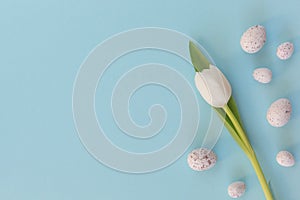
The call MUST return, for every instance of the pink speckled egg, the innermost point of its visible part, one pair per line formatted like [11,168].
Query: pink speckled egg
[285,159]
[201,159]
[279,112]
[236,189]
[285,50]
[253,39]
[262,75]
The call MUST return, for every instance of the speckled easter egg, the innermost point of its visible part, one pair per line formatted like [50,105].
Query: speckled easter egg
[285,159]
[285,50]
[236,189]
[253,39]
[201,159]
[279,112]
[262,75]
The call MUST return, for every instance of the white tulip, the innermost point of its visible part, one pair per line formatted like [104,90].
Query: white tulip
[213,86]
[216,91]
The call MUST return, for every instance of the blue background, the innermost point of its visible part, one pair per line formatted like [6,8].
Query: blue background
[42,46]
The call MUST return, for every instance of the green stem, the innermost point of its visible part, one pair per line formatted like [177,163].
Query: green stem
[261,177]
[250,153]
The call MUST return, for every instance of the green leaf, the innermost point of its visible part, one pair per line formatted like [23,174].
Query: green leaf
[225,118]
[233,107]
[199,61]
[229,125]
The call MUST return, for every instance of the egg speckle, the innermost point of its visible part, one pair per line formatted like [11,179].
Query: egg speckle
[253,39]
[262,75]
[201,159]
[279,112]
[285,159]
[285,50]
[236,189]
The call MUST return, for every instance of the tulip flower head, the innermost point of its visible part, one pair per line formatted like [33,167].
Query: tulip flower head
[213,86]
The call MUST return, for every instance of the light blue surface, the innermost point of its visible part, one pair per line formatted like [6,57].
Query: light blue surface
[42,46]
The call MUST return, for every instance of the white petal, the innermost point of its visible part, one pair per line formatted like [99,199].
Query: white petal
[213,86]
